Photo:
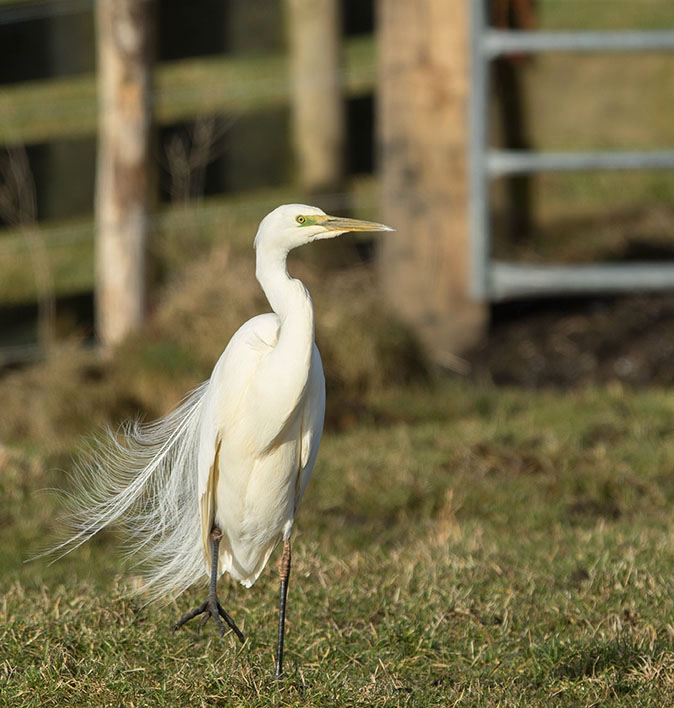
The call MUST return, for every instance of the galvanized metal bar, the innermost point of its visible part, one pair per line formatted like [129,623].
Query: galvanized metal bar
[508,162]
[479,132]
[498,280]
[498,42]
[512,280]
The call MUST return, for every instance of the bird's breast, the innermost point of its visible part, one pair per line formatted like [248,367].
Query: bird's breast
[255,501]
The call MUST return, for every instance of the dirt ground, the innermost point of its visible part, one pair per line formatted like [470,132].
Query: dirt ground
[574,342]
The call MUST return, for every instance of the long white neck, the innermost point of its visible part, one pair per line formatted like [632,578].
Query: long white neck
[283,374]
[288,297]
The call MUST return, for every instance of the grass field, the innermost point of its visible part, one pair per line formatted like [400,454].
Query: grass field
[465,545]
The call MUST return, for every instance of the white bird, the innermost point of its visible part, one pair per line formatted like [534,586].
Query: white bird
[214,486]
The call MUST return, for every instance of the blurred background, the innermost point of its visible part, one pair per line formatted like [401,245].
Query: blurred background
[142,142]
[241,106]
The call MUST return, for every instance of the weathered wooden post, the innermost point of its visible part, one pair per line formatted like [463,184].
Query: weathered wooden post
[317,107]
[122,184]
[423,132]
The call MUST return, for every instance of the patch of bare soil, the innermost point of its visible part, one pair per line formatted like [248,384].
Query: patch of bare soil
[575,342]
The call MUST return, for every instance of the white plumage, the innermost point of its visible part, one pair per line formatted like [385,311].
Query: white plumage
[258,446]
[216,484]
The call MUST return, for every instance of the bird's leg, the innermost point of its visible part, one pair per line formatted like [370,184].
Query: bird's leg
[284,573]
[211,607]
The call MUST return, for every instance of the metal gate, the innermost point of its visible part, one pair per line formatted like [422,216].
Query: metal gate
[499,280]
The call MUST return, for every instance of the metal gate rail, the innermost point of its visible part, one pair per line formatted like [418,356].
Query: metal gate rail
[499,280]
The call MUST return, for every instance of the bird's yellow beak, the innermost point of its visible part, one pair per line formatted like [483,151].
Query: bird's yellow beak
[336,223]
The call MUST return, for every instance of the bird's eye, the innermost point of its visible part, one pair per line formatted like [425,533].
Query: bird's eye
[300,219]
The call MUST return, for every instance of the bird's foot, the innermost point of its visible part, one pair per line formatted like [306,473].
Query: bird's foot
[211,607]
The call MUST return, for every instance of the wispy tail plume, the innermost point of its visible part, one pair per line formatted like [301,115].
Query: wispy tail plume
[148,481]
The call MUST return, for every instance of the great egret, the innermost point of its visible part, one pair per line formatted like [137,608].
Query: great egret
[214,486]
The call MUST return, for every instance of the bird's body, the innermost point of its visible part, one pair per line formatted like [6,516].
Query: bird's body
[214,486]
[255,448]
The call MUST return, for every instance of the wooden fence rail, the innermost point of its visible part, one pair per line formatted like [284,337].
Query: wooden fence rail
[39,111]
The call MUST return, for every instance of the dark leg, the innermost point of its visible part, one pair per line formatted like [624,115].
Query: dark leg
[284,572]
[212,607]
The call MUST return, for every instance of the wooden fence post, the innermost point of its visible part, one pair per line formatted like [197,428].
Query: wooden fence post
[123,168]
[317,108]
[422,110]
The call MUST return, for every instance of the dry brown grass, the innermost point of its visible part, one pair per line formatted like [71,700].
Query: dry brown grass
[75,391]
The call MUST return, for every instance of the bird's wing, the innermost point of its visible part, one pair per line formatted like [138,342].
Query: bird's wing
[207,493]
[312,425]
[229,381]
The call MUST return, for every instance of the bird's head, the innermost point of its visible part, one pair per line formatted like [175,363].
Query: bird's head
[293,225]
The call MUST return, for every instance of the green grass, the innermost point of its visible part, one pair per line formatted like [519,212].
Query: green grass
[465,545]
[605,14]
